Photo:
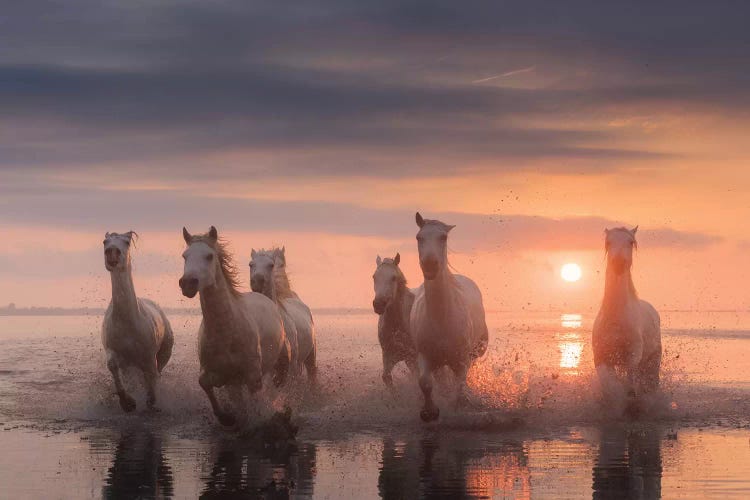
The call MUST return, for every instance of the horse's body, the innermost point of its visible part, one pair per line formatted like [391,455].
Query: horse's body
[268,276]
[135,331]
[393,302]
[447,318]
[627,330]
[241,337]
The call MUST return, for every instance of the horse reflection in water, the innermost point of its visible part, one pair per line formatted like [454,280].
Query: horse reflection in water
[453,466]
[139,469]
[628,464]
[242,469]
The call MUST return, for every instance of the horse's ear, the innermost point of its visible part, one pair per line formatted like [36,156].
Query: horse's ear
[283,250]
[213,233]
[449,228]
[420,220]
[187,236]
[606,230]
[252,253]
[634,230]
[378,260]
[397,258]
[130,235]
[106,235]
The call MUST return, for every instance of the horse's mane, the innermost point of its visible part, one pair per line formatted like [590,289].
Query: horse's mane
[281,283]
[228,269]
[631,285]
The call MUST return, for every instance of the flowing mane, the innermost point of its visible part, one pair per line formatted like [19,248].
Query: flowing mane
[280,278]
[631,285]
[228,269]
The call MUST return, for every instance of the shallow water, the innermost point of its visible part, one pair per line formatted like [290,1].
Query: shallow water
[537,429]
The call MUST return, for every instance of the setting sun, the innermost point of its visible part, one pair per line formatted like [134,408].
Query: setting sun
[571,272]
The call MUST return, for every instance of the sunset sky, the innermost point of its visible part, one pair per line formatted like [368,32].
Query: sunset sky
[324,126]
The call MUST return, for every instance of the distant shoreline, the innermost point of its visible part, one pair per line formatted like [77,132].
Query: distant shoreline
[99,311]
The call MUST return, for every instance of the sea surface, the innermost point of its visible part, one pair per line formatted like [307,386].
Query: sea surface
[537,427]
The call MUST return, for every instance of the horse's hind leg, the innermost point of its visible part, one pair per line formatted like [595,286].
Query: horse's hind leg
[311,365]
[165,349]
[208,383]
[648,373]
[150,375]
[127,403]
[282,365]
[429,412]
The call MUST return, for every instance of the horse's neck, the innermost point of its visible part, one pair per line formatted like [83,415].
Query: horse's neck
[439,294]
[124,301]
[397,314]
[217,305]
[269,290]
[281,284]
[618,292]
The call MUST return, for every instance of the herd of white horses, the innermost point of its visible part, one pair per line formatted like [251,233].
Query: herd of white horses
[269,331]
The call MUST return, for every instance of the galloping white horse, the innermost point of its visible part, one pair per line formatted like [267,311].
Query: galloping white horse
[268,276]
[627,331]
[393,302]
[447,319]
[242,336]
[135,331]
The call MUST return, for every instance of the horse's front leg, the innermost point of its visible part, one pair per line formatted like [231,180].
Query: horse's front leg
[388,364]
[633,362]
[461,370]
[208,382]
[430,412]
[127,403]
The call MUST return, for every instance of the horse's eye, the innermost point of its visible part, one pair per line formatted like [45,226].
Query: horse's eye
[443,237]
[104,242]
[393,278]
[210,257]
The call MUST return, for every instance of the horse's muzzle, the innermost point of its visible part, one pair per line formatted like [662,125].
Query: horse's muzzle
[429,268]
[257,283]
[379,305]
[189,287]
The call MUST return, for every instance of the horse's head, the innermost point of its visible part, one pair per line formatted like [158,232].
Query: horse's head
[387,279]
[262,265]
[201,262]
[619,244]
[432,242]
[117,250]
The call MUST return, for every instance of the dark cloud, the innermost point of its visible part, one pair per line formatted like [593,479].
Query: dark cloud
[145,211]
[84,83]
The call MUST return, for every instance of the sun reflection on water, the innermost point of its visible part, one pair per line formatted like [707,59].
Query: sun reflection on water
[570,342]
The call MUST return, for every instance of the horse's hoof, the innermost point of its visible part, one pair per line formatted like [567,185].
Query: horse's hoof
[429,415]
[127,403]
[226,419]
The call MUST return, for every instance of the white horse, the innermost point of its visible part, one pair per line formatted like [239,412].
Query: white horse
[241,337]
[447,319]
[268,276]
[627,331]
[135,331]
[393,302]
